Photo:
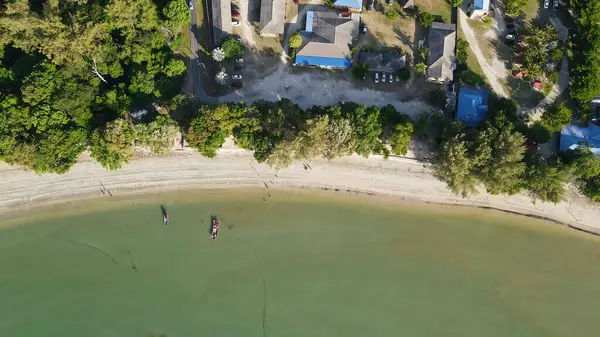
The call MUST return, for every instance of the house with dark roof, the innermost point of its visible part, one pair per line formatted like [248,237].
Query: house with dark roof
[478,8]
[221,20]
[272,17]
[326,40]
[472,106]
[573,136]
[355,5]
[441,42]
[384,62]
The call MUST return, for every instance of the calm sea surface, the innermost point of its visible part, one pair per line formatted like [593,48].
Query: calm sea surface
[301,264]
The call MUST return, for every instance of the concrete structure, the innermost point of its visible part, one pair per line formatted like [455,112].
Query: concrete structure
[272,17]
[441,42]
[327,40]
[472,106]
[573,136]
[384,62]
[221,20]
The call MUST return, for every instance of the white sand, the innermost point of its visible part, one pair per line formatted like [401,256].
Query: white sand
[405,178]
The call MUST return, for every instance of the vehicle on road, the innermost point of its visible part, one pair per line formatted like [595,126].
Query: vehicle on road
[191,4]
[235,23]
[235,14]
[370,7]
[555,7]
[546,4]
[364,29]
[236,76]
[240,60]
[376,79]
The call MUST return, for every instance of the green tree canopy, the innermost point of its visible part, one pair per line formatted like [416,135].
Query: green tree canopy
[232,48]
[158,136]
[426,19]
[400,138]
[113,145]
[176,13]
[555,117]
[454,166]
[420,68]
[544,181]
[360,70]
[295,40]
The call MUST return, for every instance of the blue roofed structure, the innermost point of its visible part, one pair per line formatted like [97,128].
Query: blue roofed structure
[481,5]
[327,39]
[321,61]
[472,106]
[356,4]
[572,136]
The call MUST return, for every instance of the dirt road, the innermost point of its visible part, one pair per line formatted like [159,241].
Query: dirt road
[493,74]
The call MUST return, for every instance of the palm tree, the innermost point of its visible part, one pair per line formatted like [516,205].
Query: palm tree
[420,68]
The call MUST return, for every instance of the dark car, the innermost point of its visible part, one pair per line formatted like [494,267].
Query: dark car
[235,14]
[510,25]
[555,5]
[234,7]
[364,29]
[237,84]
[370,6]
[237,67]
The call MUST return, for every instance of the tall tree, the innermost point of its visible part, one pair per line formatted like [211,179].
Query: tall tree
[555,117]
[544,181]
[454,166]
[113,145]
[176,13]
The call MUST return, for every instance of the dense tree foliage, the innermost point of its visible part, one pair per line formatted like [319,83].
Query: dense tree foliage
[585,62]
[400,138]
[538,47]
[555,117]
[295,40]
[585,166]
[545,181]
[426,19]
[158,136]
[360,70]
[112,146]
[232,48]
[176,13]
[70,68]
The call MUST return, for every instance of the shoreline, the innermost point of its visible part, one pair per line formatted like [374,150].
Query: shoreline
[402,178]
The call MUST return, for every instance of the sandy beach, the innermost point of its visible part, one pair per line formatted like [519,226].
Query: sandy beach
[401,177]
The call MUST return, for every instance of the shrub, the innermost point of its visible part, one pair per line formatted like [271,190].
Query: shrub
[426,19]
[404,74]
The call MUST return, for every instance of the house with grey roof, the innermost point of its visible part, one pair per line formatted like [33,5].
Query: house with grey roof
[441,43]
[383,62]
[221,20]
[327,39]
[272,17]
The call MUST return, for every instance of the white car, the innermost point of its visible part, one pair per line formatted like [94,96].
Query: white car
[191,3]
[391,77]
[235,23]
[546,4]
[240,60]
[236,76]
[376,78]
[383,78]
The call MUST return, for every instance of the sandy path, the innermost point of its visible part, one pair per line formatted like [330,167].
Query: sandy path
[400,177]
[488,69]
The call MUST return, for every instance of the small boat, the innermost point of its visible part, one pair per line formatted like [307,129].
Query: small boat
[215,229]
[165,218]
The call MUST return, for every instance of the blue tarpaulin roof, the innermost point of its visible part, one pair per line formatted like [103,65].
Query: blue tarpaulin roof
[481,4]
[572,135]
[351,3]
[472,106]
[323,61]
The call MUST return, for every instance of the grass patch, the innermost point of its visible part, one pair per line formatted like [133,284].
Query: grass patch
[439,8]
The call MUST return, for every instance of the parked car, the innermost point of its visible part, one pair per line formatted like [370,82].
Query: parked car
[510,25]
[234,7]
[237,84]
[296,1]
[555,7]
[546,4]
[235,14]
[236,76]
[390,2]
[364,30]
[235,23]
[344,14]
[376,79]
[383,78]
[391,78]
[370,7]
[240,60]
[191,4]
[237,68]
